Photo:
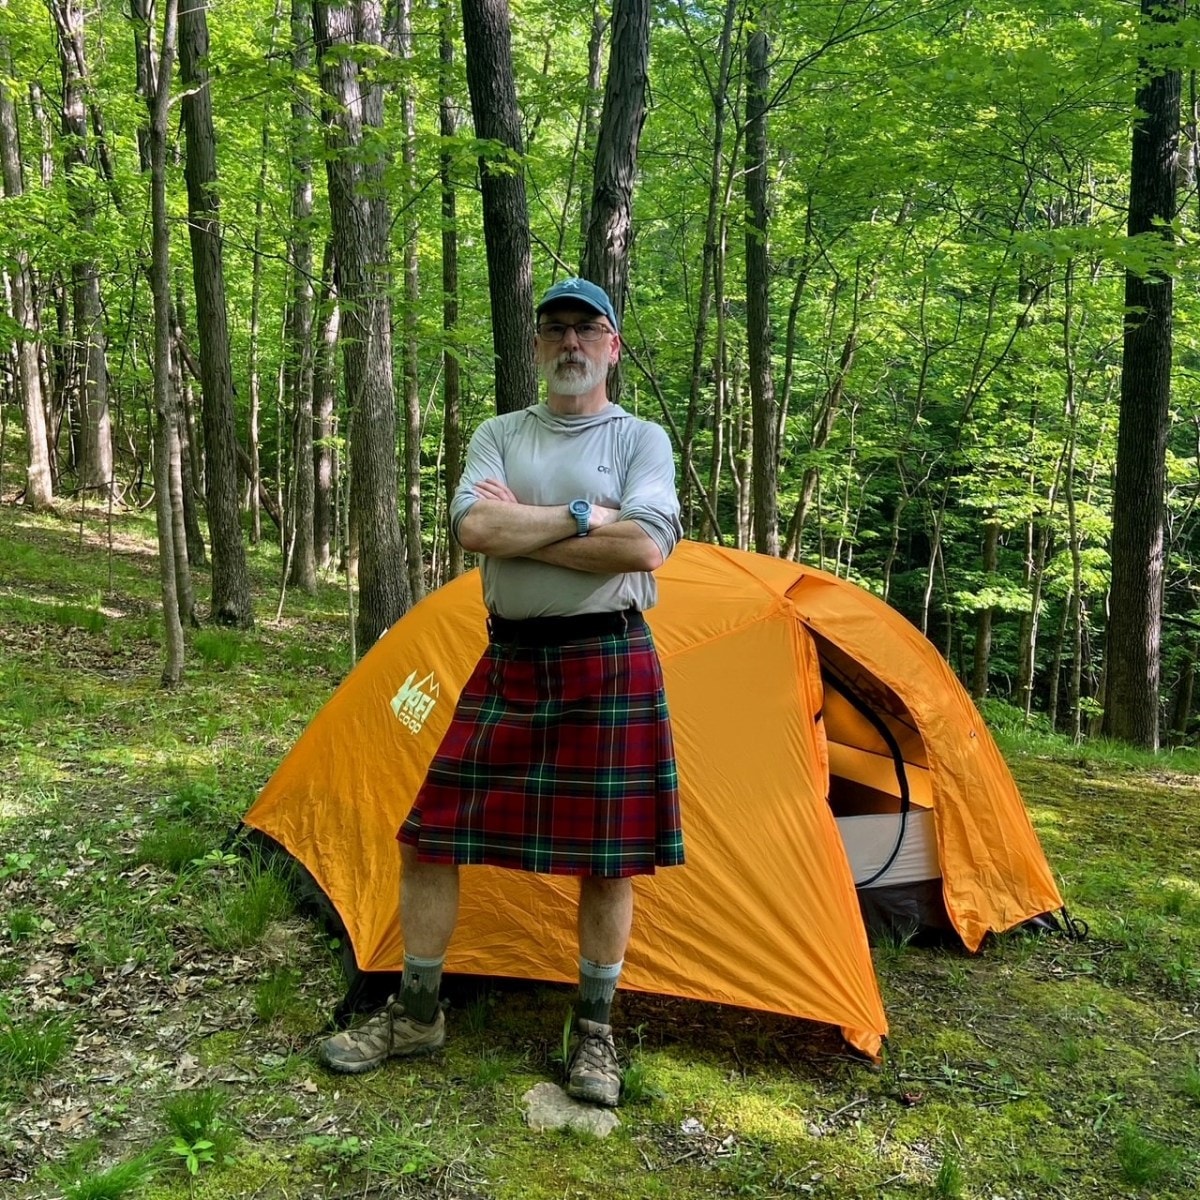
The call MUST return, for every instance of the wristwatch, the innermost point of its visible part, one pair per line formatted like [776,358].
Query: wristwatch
[581,510]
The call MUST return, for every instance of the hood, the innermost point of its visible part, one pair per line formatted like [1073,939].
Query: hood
[575,424]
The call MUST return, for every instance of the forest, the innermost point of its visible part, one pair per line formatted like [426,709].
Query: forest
[910,283]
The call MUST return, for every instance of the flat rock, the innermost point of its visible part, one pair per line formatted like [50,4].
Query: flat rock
[547,1106]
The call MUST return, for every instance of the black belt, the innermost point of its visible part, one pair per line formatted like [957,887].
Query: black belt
[557,631]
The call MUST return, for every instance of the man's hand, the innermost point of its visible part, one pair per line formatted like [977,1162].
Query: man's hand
[494,489]
[601,516]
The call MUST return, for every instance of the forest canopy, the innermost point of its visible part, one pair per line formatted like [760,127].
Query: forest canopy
[919,313]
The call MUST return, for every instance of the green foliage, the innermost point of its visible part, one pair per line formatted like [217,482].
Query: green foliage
[219,647]
[1145,1160]
[29,1048]
[199,1134]
[23,923]
[276,994]
[173,845]
[113,1183]
[948,1183]
[246,902]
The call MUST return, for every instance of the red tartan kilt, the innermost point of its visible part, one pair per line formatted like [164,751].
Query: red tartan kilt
[559,759]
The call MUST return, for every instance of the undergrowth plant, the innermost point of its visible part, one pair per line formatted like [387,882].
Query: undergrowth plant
[31,1047]
[244,905]
[276,994]
[116,1182]
[199,1134]
[1144,1160]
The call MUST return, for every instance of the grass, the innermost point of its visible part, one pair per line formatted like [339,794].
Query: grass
[157,992]
[80,1179]
[197,1128]
[32,1047]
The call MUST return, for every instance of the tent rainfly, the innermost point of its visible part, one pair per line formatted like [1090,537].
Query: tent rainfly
[834,774]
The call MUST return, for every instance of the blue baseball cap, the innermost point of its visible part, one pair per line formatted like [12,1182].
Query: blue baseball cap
[581,291]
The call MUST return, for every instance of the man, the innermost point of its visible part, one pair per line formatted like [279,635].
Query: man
[559,757]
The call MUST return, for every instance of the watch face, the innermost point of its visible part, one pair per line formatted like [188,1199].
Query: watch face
[580,508]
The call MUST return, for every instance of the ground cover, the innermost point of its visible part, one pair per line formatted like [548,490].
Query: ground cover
[161,998]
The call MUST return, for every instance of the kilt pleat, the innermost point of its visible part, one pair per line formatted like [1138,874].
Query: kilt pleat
[558,759]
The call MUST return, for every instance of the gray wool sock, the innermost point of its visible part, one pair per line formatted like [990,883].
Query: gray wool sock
[597,984]
[422,982]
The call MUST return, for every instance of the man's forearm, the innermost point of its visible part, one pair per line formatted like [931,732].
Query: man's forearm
[501,529]
[611,550]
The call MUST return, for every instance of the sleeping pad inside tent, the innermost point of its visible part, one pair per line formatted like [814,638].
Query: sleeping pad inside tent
[831,769]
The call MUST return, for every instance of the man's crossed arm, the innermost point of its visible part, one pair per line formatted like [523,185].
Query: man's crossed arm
[498,525]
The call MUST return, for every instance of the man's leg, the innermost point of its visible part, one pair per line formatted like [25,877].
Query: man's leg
[605,919]
[412,1022]
[428,913]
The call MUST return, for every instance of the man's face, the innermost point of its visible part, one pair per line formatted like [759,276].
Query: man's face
[574,349]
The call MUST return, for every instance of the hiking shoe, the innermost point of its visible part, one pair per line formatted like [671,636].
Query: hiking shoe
[390,1033]
[592,1071]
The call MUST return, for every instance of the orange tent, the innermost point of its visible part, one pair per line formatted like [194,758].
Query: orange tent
[802,705]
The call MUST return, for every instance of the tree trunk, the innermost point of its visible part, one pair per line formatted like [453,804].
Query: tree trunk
[303,570]
[193,489]
[983,618]
[590,119]
[325,456]
[452,433]
[718,92]
[610,225]
[94,446]
[759,338]
[39,481]
[252,423]
[231,600]
[505,214]
[1181,706]
[185,596]
[1135,622]
[160,288]
[357,165]
[412,297]
[1043,544]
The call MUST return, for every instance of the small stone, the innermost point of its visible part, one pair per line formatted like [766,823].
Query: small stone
[547,1106]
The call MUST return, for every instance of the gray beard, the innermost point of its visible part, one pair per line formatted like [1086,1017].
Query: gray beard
[565,379]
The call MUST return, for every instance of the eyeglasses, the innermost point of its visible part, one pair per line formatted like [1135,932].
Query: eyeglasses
[585,331]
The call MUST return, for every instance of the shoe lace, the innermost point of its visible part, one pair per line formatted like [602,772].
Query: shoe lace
[595,1053]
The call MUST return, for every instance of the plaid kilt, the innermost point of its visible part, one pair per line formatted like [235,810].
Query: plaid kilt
[558,759]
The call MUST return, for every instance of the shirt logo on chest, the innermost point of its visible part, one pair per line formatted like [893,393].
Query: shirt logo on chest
[604,470]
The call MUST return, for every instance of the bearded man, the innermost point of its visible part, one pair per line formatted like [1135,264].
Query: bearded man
[559,757]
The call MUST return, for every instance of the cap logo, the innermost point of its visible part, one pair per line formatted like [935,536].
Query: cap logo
[573,284]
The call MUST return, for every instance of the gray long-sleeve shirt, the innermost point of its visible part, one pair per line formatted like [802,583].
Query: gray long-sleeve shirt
[611,458]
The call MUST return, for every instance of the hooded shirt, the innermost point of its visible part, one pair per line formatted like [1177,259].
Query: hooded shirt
[611,458]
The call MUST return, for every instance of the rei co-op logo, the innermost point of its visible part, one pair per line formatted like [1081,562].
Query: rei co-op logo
[413,703]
